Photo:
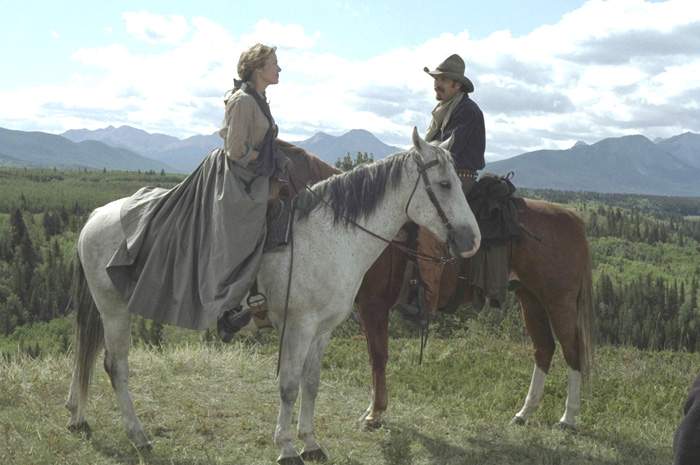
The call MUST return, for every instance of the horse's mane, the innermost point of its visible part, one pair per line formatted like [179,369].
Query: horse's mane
[356,193]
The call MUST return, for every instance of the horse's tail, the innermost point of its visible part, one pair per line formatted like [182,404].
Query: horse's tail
[89,332]
[584,306]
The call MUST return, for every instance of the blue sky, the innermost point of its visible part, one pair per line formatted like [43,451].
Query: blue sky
[49,32]
[547,72]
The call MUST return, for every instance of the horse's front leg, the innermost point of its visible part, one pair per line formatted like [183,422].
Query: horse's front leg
[374,316]
[297,340]
[311,377]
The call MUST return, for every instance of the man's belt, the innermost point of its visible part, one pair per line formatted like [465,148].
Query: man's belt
[466,174]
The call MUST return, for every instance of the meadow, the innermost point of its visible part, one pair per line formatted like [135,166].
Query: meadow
[206,403]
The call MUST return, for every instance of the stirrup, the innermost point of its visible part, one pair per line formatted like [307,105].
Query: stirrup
[230,322]
[258,309]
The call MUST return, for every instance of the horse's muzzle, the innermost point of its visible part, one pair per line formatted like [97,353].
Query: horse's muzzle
[464,241]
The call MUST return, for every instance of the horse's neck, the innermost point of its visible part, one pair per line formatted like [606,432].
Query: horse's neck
[385,221]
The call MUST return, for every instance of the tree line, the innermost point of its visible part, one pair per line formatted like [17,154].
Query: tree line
[646,254]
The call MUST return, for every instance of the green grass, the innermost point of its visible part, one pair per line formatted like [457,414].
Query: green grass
[211,404]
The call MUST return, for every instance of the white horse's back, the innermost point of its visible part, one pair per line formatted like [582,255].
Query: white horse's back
[330,261]
[99,238]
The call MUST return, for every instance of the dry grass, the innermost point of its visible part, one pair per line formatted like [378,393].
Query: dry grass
[206,404]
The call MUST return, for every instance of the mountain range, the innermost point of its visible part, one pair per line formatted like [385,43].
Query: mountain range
[330,148]
[183,155]
[40,149]
[186,154]
[628,164]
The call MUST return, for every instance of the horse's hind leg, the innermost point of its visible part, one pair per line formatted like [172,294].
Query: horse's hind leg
[311,377]
[76,406]
[117,339]
[537,324]
[564,320]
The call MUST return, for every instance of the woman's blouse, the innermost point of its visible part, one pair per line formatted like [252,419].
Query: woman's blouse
[244,129]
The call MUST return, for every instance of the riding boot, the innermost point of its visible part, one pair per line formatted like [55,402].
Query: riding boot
[230,322]
[413,310]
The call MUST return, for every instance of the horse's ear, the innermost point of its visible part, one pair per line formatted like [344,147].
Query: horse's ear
[418,142]
[447,145]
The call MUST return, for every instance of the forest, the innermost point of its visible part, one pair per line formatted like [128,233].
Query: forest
[646,257]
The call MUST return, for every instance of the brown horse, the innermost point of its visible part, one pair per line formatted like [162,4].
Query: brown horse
[553,265]
[554,268]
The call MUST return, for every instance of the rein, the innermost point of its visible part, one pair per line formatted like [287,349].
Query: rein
[413,253]
[422,168]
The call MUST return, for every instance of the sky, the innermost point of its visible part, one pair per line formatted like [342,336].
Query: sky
[547,73]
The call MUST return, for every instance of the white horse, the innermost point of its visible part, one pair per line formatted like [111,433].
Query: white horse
[330,257]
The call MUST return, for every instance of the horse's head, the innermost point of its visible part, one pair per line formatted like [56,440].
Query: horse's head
[437,201]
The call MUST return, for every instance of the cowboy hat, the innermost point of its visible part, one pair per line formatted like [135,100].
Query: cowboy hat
[452,68]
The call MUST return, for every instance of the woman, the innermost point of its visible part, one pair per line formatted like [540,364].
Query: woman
[191,253]
[249,128]
[249,134]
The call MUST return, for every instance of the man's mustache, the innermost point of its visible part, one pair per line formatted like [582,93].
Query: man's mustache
[439,89]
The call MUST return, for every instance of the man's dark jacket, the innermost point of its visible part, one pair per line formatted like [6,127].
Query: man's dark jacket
[467,123]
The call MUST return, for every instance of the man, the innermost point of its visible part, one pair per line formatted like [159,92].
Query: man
[455,114]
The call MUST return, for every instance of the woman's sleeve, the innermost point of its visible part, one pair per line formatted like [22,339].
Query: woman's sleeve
[239,134]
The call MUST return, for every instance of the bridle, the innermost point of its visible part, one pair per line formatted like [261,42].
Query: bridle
[422,174]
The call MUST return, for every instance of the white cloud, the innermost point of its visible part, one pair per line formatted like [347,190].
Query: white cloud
[55,35]
[284,36]
[589,76]
[156,28]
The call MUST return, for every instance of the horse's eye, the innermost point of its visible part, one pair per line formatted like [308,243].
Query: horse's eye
[445,184]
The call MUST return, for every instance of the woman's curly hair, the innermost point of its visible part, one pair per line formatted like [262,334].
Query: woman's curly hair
[252,59]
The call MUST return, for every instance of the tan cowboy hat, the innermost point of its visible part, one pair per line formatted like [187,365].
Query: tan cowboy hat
[452,68]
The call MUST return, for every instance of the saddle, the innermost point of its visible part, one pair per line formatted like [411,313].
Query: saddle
[485,275]
[492,201]
[279,223]
[496,211]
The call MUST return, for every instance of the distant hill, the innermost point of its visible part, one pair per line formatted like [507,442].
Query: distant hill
[685,147]
[629,164]
[330,148]
[186,154]
[183,155]
[40,149]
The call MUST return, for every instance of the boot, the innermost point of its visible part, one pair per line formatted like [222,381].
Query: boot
[412,311]
[230,322]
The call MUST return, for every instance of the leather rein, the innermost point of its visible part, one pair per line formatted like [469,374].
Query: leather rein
[422,171]
[411,252]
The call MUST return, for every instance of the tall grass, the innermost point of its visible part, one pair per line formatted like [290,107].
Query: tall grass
[205,403]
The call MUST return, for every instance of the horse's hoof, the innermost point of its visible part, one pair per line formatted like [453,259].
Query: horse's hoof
[316,455]
[296,460]
[565,427]
[145,447]
[81,428]
[518,421]
[141,441]
[372,425]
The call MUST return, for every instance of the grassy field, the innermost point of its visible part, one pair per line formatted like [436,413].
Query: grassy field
[213,404]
